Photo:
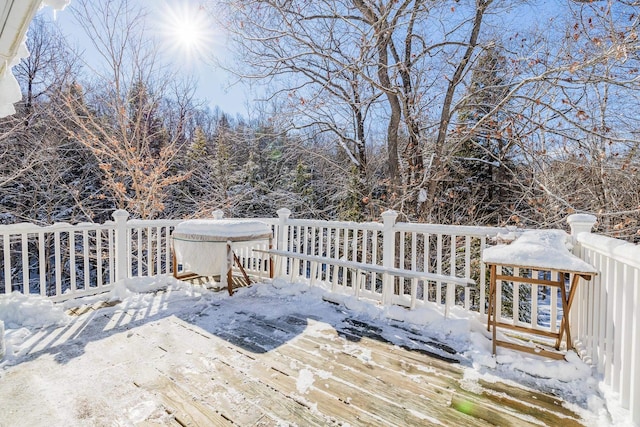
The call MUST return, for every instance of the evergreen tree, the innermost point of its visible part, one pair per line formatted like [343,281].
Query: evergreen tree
[302,190]
[350,205]
[222,161]
[476,191]
[198,149]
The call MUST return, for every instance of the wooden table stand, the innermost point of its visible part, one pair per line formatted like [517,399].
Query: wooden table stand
[231,259]
[564,331]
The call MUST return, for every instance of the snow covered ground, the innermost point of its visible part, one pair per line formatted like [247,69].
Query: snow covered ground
[36,330]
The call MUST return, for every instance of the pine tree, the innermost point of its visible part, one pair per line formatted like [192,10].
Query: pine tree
[350,206]
[302,189]
[480,176]
[198,149]
[222,160]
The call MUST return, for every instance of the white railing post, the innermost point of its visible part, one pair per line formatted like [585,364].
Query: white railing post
[283,216]
[281,238]
[218,214]
[121,244]
[580,223]
[583,311]
[388,253]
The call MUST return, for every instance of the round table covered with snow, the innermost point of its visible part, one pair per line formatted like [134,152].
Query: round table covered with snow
[206,247]
[545,252]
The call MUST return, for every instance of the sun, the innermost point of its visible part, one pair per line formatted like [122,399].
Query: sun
[187,31]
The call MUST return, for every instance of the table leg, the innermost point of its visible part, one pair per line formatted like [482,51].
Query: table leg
[270,260]
[493,307]
[492,289]
[229,267]
[174,262]
[242,270]
[564,323]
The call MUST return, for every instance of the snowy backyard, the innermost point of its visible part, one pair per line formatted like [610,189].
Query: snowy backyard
[101,367]
[379,185]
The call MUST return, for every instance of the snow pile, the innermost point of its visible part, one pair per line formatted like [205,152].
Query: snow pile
[30,311]
[133,288]
[538,248]
[304,381]
[139,294]
[20,315]
[9,88]
[56,4]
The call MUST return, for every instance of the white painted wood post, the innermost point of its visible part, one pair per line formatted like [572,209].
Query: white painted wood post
[226,275]
[281,239]
[388,253]
[582,312]
[121,244]
[218,214]
[580,223]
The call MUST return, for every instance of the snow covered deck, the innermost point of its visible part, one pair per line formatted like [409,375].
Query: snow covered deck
[182,355]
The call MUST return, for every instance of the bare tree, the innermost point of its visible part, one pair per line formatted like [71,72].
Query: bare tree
[582,142]
[48,65]
[313,57]
[45,177]
[370,57]
[118,113]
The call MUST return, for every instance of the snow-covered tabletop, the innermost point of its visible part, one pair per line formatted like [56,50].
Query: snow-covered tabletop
[548,249]
[221,230]
[200,245]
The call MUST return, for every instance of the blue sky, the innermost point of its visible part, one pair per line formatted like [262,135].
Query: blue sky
[213,82]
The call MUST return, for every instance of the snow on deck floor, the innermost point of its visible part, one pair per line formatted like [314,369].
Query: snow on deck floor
[271,355]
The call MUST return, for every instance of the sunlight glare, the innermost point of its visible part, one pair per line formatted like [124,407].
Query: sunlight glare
[187,31]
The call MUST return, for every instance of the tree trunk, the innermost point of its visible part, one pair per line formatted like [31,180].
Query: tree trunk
[436,172]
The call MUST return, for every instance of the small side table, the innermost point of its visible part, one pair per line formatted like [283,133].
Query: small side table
[493,322]
[542,251]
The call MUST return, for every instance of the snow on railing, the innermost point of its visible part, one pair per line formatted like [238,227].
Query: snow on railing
[438,249]
[63,261]
[606,312]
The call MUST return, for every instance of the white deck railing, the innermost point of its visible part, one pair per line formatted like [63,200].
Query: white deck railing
[438,249]
[606,314]
[65,261]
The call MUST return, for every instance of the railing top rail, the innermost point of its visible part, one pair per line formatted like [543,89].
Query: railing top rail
[458,230]
[135,223]
[335,224]
[28,228]
[270,221]
[625,252]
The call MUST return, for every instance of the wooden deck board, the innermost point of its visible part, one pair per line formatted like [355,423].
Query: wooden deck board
[245,377]
[263,370]
[391,386]
[437,394]
[296,370]
[180,402]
